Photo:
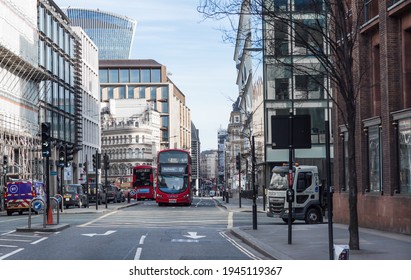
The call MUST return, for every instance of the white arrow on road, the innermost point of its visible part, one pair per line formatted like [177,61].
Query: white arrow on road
[194,235]
[94,234]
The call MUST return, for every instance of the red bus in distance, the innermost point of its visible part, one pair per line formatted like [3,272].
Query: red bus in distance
[173,178]
[143,182]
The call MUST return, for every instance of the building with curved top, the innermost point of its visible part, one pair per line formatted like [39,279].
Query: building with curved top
[112,33]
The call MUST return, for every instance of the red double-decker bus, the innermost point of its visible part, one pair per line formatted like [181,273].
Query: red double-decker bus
[143,182]
[173,177]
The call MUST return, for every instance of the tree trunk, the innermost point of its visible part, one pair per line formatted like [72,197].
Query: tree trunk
[354,241]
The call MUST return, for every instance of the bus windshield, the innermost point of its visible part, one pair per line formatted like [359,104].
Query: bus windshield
[142,178]
[172,183]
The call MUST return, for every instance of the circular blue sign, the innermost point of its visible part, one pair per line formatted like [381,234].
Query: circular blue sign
[13,189]
[37,205]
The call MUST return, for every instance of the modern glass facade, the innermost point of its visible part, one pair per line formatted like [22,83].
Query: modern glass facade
[59,99]
[113,34]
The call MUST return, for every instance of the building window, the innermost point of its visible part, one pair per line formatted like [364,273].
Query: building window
[308,87]
[404,135]
[155,75]
[113,75]
[124,76]
[370,9]
[305,6]
[406,69]
[142,92]
[131,92]
[103,75]
[374,158]
[145,75]
[135,75]
[281,89]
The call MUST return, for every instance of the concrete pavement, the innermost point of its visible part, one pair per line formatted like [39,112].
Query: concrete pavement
[311,242]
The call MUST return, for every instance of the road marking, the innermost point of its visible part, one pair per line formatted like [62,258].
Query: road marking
[138,254]
[185,240]
[8,232]
[230,220]
[142,239]
[15,240]
[9,246]
[38,241]
[11,253]
[194,235]
[99,218]
[239,247]
[101,234]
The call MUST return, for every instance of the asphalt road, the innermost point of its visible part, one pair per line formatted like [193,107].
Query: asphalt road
[142,232]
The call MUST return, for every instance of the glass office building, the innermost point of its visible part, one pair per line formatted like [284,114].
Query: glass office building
[113,34]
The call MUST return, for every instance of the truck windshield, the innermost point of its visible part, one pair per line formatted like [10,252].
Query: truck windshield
[279,181]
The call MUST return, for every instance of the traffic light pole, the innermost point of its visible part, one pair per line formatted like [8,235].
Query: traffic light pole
[253,183]
[106,179]
[96,170]
[48,187]
[239,181]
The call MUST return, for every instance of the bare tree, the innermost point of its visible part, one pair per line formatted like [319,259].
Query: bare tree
[330,35]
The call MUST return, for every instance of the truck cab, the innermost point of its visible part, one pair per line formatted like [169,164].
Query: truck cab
[19,194]
[307,194]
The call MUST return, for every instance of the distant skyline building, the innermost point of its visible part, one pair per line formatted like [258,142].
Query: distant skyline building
[112,33]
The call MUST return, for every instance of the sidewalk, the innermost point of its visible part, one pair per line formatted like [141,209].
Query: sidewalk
[311,242]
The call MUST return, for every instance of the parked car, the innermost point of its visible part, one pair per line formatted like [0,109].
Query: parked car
[110,194]
[73,195]
[91,193]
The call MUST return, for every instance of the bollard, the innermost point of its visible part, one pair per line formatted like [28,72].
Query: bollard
[128,197]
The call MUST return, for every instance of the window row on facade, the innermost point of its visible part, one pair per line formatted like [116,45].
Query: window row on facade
[150,93]
[55,31]
[125,75]
[123,139]
[127,153]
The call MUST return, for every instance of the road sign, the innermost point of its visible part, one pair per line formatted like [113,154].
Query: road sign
[53,173]
[68,173]
[38,205]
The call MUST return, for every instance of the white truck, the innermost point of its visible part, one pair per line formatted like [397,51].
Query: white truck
[308,204]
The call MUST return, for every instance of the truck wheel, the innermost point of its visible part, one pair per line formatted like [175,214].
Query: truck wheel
[312,216]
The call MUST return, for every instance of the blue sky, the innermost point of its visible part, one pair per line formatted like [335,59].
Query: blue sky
[202,66]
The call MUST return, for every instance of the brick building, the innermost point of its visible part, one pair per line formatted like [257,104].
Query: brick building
[383,127]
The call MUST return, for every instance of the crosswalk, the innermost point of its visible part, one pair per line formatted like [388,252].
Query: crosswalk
[13,242]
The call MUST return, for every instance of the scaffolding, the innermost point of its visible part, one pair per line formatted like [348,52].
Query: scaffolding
[19,128]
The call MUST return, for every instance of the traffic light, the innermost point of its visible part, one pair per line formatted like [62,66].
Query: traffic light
[45,139]
[238,162]
[69,154]
[106,160]
[5,164]
[96,161]
[62,157]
